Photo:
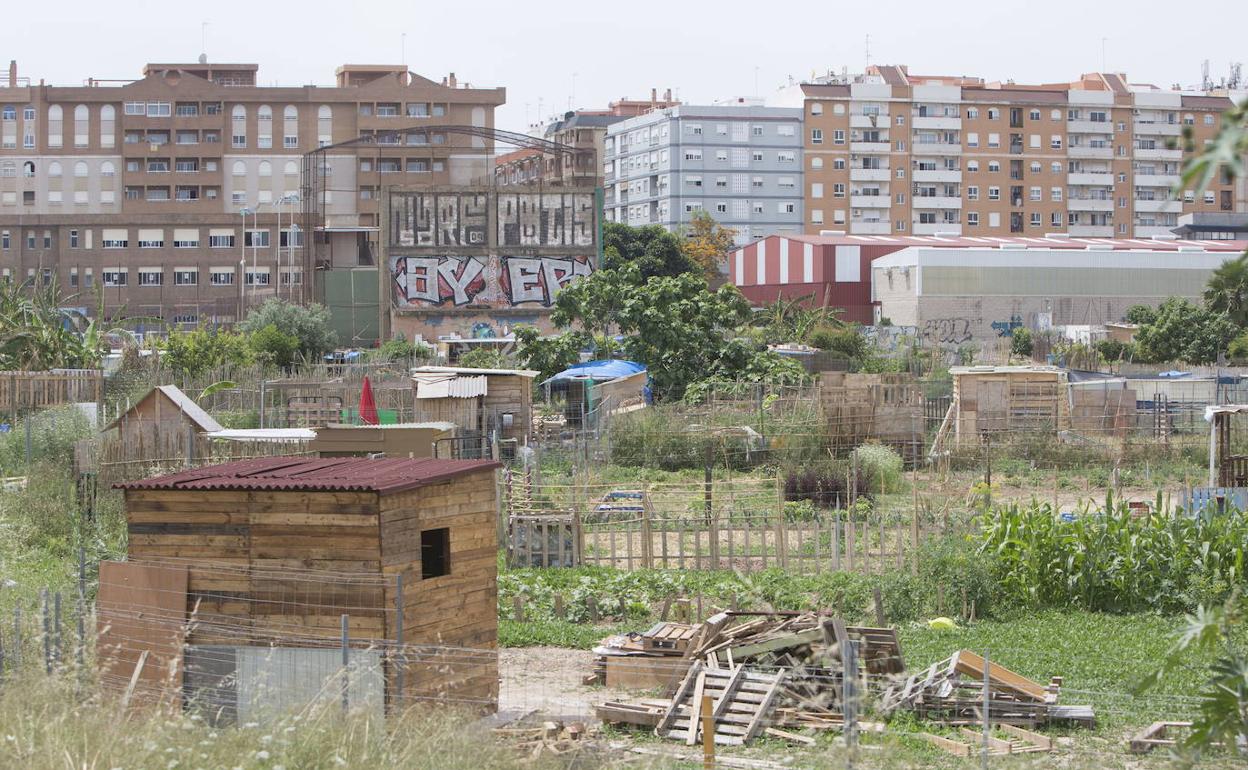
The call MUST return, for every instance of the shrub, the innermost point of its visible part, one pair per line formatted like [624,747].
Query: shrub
[845,341]
[484,358]
[53,433]
[1020,343]
[1113,350]
[309,324]
[271,345]
[879,467]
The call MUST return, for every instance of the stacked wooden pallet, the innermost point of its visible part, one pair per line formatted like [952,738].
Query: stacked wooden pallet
[952,692]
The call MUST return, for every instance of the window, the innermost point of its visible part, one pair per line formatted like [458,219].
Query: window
[972,139]
[994,166]
[693,154]
[785,182]
[901,198]
[113,277]
[1055,219]
[30,239]
[901,120]
[1055,193]
[721,155]
[257,238]
[994,140]
[694,129]
[1055,142]
[816,108]
[838,190]
[186,238]
[785,207]
[56,126]
[151,276]
[1056,167]
[47,239]
[972,192]
[115,239]
[972,218]
[757,155]
[151,238]
[816,189]
[186,318]
[1034,194]
[238,129]
[435,553]
[1034,115]
[816,136]
[722,182]
[994,113]
[994,193]
[756,130]
[972,113]
[220,239]
[73,239]
[693,181]
[838,136]
[786,129]
[221,276]
[816,163]
[258,277]
[838,164]
[6,240]
[785,156]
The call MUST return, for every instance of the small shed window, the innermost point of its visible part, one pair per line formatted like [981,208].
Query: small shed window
[435,553]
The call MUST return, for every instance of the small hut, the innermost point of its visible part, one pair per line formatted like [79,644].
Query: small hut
[999,399]
[163,425]
[411,439]
[481,402]
[592,386]
[281,567]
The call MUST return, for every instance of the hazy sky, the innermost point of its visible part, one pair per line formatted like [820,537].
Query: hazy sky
[587,53]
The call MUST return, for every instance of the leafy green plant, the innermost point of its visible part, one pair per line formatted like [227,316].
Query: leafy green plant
[309,324]
[485,358]
[1020,343]
[879,467]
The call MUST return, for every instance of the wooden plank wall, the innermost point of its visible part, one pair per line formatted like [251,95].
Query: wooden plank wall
[141,608]
[459,609]
[511,393]
[240,543]
[37,390]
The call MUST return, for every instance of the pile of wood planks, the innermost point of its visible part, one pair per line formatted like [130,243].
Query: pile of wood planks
[548,738]
[764,671]
[952,692]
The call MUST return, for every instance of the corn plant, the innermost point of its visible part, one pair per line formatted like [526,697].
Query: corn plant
[1108,559]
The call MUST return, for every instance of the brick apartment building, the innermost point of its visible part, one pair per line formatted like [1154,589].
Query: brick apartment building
[889,152]
[584,130]
[131,191]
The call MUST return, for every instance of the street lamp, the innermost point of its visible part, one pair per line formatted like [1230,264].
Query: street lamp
[242,261]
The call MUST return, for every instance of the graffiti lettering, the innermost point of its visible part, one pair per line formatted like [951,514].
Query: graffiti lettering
[947,331]
[482,281]
[546,219]
[439,219]
[1006,328]
[889,337]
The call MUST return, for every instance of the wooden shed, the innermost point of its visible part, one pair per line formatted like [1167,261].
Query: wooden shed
[163,421]
[996,399]
[410,439]
[279,549]
[478,401]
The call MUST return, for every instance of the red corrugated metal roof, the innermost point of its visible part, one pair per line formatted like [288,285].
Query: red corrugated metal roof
[335,474]
[1037,242]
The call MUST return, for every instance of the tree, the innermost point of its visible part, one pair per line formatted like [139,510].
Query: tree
[1184,332]
[485,358]
[1141,314]
[36,333]
[271,345]
[309,324]
[1227,290]
[201,350]
[549,355]
[707,243]
[845,341]
[1020,343]
[654,250]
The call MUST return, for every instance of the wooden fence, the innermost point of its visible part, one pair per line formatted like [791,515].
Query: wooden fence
[38,390]
[741,526]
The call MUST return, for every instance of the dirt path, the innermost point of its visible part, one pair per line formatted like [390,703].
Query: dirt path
[548,679]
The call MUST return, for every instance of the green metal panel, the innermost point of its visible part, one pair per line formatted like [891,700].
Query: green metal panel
[352,297]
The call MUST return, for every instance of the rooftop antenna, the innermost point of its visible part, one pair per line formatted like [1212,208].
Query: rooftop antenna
[868,50]
[1236,79]
[203,42]
[403,49]
[1206,83]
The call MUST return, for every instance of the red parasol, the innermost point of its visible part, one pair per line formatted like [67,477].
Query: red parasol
[368,407]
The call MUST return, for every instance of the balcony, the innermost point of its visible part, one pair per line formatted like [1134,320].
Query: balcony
[935,202]
[951,228]
[1091,231]
[869,174]
[868,121]
[1169,181]
[869,201]
[937,175]
[1089,127]
[870,228]
[1079,151]
[1157,129]
[1148,231]
[1101,178]
[936,148]
[1090,204]
[1158,153]
[1168,206]
[940,123]
[869,147]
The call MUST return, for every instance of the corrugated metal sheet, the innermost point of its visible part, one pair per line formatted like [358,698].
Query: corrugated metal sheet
[449,386]
[335,474]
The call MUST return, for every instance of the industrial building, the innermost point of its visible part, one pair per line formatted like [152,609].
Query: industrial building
[950,290]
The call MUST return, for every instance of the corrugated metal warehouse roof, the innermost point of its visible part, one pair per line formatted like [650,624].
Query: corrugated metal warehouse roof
[338,474]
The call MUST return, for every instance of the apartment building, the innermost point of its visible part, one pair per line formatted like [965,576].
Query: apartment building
[740,162]
[889,152]
[177,195]
[583,130]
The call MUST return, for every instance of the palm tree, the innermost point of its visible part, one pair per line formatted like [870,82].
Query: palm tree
[1227,290]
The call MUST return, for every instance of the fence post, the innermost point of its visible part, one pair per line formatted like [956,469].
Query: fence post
[17,635]
[47,631]
[782,549]
[647,532]
[708,733]
[56,618]
[346,661]
[849,698]
[81,610]
[708,501]
[401,668]
[26,425]
[987,715]
[914,523]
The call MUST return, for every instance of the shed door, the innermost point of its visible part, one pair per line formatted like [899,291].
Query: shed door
[993,405]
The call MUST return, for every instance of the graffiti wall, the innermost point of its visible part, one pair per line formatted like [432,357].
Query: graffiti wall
[502,282]
[480,248]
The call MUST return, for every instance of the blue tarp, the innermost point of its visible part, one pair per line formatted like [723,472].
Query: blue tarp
[598,371]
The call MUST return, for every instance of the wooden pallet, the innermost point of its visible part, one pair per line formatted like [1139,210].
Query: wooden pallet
[1156,734]
[669,638]
[743,704]
[1009,740]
